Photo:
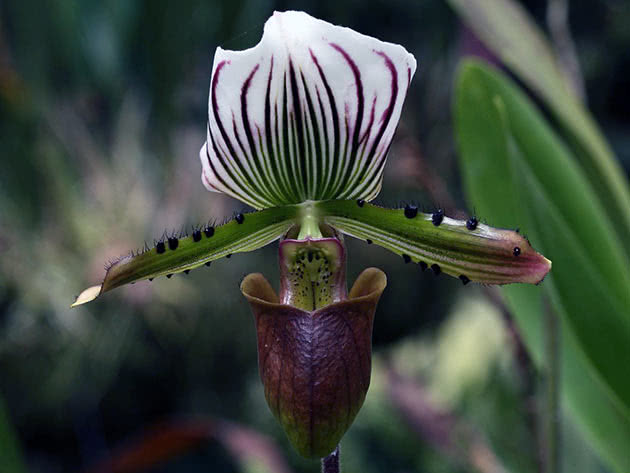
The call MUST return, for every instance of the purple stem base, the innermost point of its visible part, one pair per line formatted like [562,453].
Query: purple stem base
[330,464]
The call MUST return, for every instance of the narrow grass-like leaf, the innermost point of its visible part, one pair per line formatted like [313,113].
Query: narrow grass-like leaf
[10,455]
[510,32]
[482,254]
[586,399]
[517,171]
[244,233]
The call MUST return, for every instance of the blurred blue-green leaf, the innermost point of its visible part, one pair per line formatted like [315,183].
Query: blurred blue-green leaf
[509,31]
[518,172]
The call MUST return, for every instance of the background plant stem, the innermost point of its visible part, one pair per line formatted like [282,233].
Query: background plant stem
[551,410]
[330,464]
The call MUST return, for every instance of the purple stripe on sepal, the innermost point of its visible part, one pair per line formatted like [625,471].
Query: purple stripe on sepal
[326,156]
[271,153]
[317,160]
[215,109]
[336,158]
[288,154]
[216,172]
[299,129]
[368,129]
[385,119]
[233,156]
[267,189]
[359,118]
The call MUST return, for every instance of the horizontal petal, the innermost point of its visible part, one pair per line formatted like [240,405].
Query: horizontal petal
[307,114]
[176,255]
[468,250]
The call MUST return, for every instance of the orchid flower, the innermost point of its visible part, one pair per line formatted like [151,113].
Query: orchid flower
[299,128]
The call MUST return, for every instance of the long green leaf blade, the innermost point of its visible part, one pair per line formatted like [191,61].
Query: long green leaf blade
[244,233]
[584,396]
[516,170]
[483,254]
[510,32]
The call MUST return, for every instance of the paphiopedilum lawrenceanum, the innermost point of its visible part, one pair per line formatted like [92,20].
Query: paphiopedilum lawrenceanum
[299,128]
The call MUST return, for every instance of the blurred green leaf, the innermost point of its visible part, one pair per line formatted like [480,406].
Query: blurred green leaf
[509,31]
[605,425]
[10,455]
[517,172]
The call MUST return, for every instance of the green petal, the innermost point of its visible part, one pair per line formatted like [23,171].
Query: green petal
[484,254]
[248,233]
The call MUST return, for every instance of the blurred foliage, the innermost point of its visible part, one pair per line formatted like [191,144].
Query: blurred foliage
[503,139]
[102,113]
[555,186]
[508,31]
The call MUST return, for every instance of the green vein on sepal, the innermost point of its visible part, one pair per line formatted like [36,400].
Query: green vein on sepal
[485,254]
[256,230]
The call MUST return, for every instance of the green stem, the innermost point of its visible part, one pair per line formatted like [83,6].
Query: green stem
[552,420]
[330,464]
[309,223]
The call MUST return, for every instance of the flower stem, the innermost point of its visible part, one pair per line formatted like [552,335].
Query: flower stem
[330,464]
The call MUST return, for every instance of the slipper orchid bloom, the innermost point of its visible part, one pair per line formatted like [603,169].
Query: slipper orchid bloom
[299,128]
